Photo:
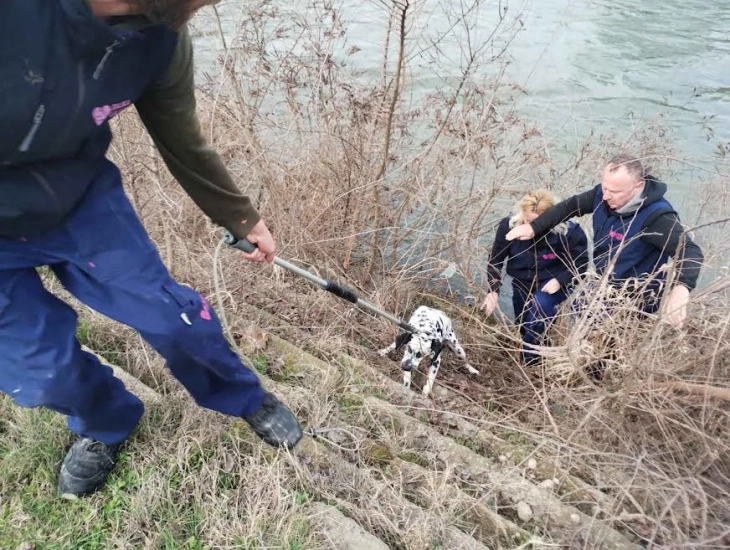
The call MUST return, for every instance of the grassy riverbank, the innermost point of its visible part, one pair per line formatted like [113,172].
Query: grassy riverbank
[384,192]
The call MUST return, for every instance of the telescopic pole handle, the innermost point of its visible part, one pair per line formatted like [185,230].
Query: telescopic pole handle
[240,244]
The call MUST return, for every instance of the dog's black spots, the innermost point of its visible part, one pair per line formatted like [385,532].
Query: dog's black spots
[402,339]
[436,347]
[435,333]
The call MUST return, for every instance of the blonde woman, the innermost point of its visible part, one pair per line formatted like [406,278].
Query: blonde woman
[542,270]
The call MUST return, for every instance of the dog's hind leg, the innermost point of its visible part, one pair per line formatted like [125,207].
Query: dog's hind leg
[471,369]
[432,372]
[455,346]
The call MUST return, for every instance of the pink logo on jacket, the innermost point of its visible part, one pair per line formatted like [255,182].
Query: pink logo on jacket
[549,256]
[205,312]
[105,112]
[616,235]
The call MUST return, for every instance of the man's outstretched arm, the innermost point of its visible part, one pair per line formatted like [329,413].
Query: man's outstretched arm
[577,205]
[168,111]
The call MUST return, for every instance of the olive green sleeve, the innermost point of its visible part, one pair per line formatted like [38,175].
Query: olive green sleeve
[168,111]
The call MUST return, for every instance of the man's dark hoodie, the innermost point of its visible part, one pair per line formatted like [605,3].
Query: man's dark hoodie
[650,233]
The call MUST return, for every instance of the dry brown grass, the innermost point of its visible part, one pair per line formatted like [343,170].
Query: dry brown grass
[660,453]
[387,221]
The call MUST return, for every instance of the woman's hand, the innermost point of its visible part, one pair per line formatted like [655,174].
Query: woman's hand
[551,287]
[490,303]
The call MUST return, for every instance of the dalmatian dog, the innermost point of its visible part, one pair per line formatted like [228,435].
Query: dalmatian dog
[434,332]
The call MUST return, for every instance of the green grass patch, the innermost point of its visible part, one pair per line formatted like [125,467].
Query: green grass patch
[416,458]
[168,490]
[99,342]
[261,364]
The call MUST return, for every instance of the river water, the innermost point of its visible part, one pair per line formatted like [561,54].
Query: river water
[585,65]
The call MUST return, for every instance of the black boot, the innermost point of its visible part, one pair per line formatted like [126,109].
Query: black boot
[86,467]
[275,423]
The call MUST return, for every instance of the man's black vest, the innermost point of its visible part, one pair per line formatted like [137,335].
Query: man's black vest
[63,74]
[617,237]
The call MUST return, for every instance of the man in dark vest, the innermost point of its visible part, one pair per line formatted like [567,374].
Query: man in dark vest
[66,68]
[635,233]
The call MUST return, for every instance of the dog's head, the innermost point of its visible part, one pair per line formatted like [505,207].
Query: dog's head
[417,346]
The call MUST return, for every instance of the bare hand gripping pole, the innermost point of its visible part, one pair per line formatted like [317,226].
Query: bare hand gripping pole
[329,286]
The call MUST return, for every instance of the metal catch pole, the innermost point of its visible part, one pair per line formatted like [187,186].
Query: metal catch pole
[329,286]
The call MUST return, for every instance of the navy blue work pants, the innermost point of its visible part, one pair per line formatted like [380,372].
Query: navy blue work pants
[534,310]
[104,257]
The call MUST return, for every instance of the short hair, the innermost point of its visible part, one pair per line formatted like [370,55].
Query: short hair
[633,165]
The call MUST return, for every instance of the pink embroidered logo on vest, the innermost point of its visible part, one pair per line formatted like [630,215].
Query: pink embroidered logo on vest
[549,256]
[616,235]
[105,112]
[205,312]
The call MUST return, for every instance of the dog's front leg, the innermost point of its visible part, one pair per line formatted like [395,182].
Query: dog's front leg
[406,380]
[432,372]
[385,351]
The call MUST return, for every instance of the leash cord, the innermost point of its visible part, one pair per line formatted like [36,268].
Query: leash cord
[314,433]
[218,295]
